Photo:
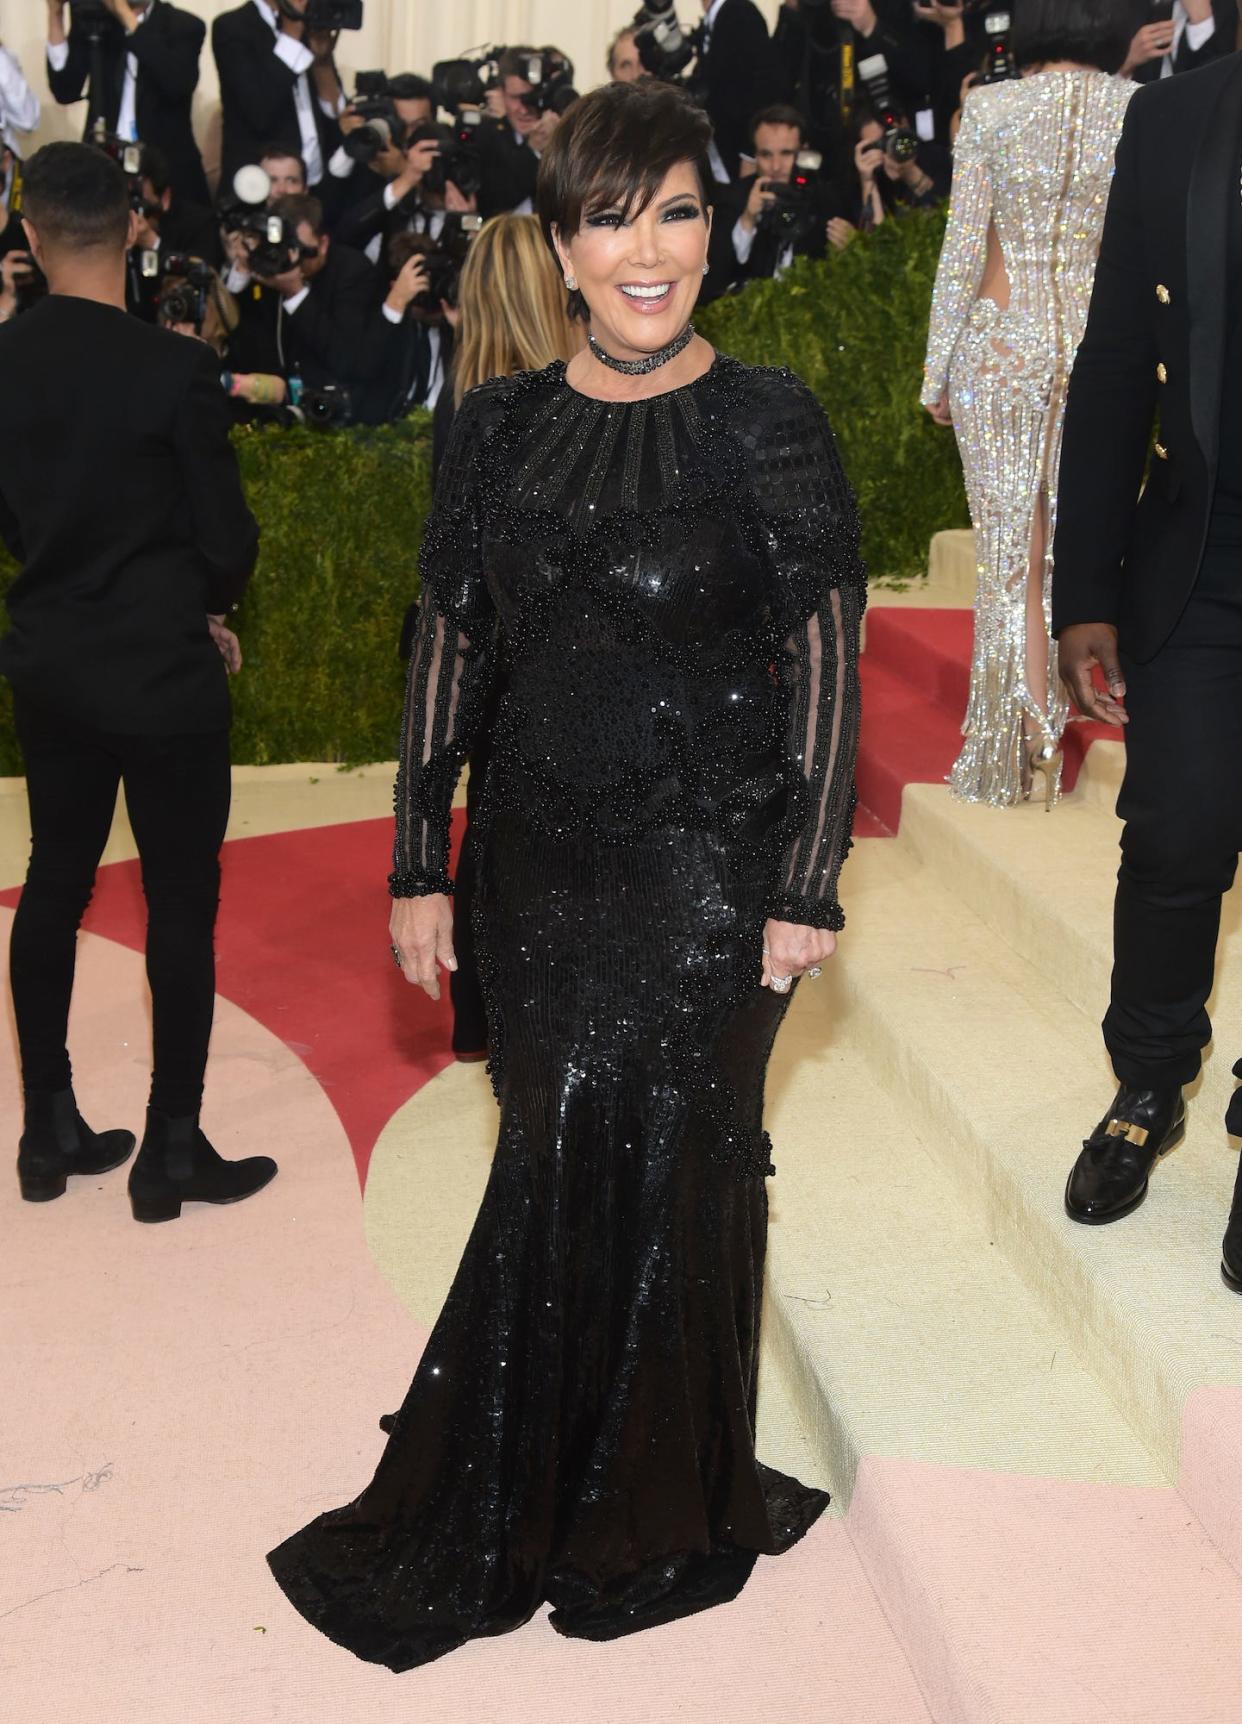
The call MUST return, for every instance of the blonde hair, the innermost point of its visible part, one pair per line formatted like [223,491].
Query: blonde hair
[514,315]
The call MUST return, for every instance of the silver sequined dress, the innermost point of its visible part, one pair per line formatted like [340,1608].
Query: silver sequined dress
[1034,159]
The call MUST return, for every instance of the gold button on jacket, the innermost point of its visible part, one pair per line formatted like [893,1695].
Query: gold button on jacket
[1162,375]
[1162,293]
[1161,452]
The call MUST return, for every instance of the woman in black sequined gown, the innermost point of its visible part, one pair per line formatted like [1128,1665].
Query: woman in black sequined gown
[675,574]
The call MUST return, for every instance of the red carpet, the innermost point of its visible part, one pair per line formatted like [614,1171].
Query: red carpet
[915,678]
[303,942]
[303,947]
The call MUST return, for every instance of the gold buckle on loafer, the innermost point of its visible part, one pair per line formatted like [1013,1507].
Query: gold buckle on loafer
[1135,1134]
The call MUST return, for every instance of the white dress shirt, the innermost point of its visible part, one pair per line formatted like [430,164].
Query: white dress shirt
[127,114]
[299,59]
[19,106]
[1196,35]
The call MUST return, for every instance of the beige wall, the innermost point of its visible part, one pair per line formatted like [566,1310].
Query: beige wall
[399,35]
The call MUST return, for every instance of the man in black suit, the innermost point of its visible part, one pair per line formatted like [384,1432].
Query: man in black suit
[1147,589]
[120,498]
[760,222]
[739,73]
[318,319]
[1190,34]
[277,81]
[147,62]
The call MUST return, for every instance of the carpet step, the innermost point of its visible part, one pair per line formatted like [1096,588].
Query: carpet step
[961,1427]
[904,740]
[1006,1076]
[927,648]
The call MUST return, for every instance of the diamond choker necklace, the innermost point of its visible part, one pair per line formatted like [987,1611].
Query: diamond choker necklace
[653,361]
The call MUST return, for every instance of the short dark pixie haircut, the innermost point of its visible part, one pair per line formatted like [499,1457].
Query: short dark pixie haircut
[76,197]
[612,150]
[1091,32]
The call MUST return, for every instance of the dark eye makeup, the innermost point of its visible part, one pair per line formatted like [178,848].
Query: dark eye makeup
[612,218]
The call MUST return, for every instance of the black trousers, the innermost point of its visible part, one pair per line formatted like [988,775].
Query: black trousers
[1181,802]
[177,791]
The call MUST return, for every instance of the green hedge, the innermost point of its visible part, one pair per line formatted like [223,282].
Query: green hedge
[342,512]
[855,328]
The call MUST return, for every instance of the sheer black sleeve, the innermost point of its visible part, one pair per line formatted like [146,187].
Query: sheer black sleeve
[811,520]
[450,670]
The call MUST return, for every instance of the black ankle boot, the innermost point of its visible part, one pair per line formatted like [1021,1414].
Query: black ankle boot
[1231,1248]
[177,1165]
[57,1142]
[1109,1179]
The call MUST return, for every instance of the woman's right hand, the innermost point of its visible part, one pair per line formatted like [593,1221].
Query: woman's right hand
[939,410]
[421,929]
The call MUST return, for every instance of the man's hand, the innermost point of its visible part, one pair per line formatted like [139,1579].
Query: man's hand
[124,14]
[420,158]
[349,120]
[455,200]
[228,643]
[322,44]
[1152,42]
[761,197]
[840,233]
[789,949]
[1082,647]
[859,13]
[494,104]
[389,163]
[949,18]
[16,268]
[411,280]
[540,134]
[295,27]
[422,931]
[867,159]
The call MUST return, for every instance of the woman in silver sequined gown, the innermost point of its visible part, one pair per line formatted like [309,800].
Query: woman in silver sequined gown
[1032,167]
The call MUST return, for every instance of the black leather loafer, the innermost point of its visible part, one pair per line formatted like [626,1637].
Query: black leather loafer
[1110,1177]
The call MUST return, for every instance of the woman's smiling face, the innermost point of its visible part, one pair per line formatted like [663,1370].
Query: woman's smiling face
[640,274]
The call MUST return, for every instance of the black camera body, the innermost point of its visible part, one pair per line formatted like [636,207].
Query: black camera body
[900,144]
[276,246]
[457,84]
[327,14]
[93,17]
[665,46]
[186,294]
[1001,65]
[324,408]
[459,159]
[384,127]
[792,217]
[550,75]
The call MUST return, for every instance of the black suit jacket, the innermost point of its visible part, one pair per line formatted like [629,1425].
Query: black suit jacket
[336,335]
[1219,43]
[120,496]
[740,74]
[1159,301]
[256,93]
[166,45]
[508,170]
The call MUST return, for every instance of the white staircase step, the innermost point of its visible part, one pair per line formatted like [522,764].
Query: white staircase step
[1005,1078]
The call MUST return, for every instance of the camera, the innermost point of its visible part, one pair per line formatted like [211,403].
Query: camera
[276,246]
[1000,66]
[327,14]
[791,218]
[186,294]
[551,77]
[128,157]
[324,408]
[384,127]
[457,84]
[899,144]
[443,260]
[93,17]
[665,46]
[459,159]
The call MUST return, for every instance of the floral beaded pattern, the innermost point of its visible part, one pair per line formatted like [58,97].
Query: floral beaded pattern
[678,587]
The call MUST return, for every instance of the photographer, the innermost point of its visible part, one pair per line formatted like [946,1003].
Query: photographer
[355,171]
[170,222]
[421,196]
[145,54]
[624,65]
[314,314]
[776,212]
[415,337]
[277,80]
[511,148]
[739,73]
[117,657]
[894,171]
[21,281]
[194,302]
[19,106]
[1179,37]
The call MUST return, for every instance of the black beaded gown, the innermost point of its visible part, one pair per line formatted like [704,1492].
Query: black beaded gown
[676,587]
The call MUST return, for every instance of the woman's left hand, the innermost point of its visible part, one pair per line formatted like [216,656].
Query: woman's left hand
[789,949]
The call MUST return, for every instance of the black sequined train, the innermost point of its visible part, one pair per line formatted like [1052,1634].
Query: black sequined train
[677,585]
